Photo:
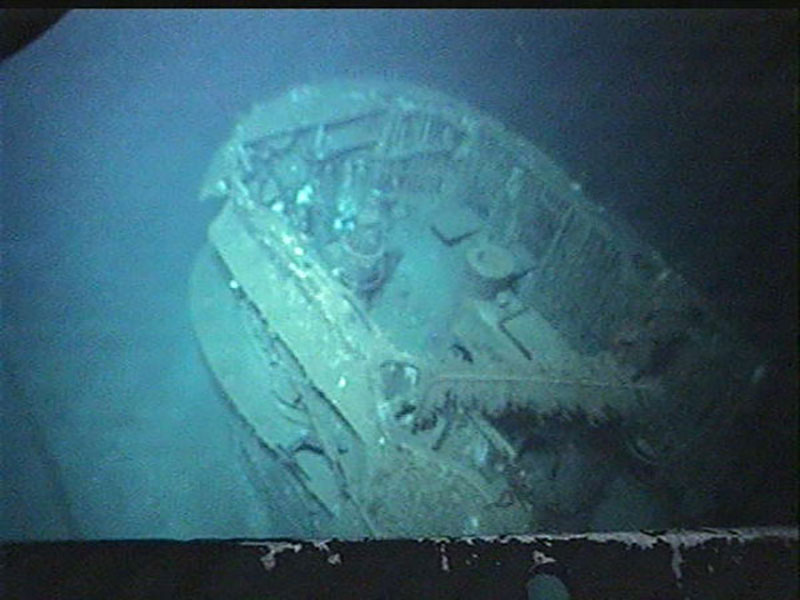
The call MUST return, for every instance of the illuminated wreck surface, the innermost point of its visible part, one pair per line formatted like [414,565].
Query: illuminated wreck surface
[433,331]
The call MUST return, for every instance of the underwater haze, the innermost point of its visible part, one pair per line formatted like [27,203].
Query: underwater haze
[683,123]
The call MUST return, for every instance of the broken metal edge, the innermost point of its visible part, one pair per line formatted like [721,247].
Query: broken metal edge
[742,562]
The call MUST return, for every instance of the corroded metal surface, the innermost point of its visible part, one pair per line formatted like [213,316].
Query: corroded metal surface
[427,273]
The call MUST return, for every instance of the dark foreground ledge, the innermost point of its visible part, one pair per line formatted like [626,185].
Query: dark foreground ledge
[713,563]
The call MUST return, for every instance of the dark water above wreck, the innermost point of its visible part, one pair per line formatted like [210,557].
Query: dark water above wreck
[683,124]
